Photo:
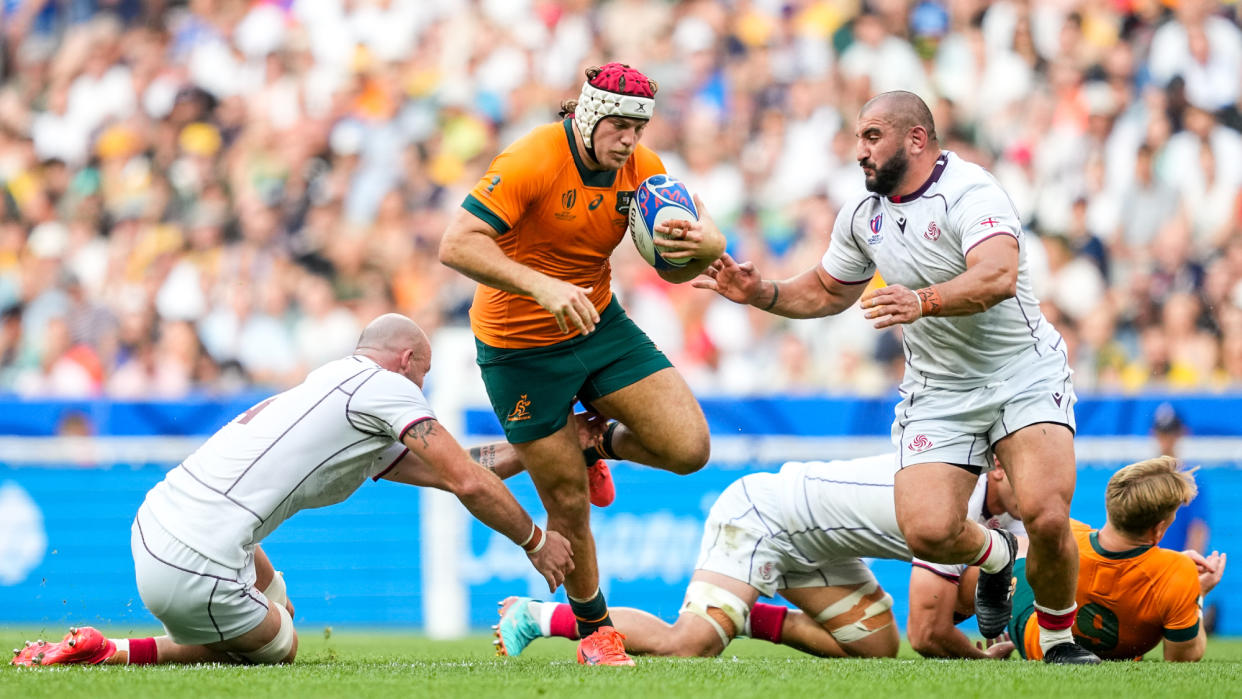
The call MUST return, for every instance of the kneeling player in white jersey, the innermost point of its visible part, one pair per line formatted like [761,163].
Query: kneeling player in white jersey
[802,533]
[196,537]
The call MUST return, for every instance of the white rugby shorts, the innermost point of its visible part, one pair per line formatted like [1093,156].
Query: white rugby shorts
[743,539]
[197,600]
[940,425]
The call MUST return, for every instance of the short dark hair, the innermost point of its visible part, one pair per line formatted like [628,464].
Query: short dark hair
[905,109]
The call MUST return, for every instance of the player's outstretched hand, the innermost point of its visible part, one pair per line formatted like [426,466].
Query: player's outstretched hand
[1210,568]
[680,239]
[892,305]
[738,282]
[569,304]
[555,560]
[998,648]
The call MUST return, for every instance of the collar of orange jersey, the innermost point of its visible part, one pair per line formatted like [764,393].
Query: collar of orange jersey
[1094,538]
[936,172]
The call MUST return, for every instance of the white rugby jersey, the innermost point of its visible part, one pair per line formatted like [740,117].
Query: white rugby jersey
[311,446]
[842,509]
[922,239]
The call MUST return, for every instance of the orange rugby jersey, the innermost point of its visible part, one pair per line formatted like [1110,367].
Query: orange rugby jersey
[1128,600]
[556,217]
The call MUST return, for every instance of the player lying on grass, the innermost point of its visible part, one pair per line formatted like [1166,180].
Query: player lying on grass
[1131,593]
[195,540]
[802,532]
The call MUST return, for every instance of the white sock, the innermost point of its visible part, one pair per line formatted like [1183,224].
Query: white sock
[122,646]
[996,550]
[1049,637]
[544,610]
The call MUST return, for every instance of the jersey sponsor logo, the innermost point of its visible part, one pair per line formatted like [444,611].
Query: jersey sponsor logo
[919,443]
[932,232]
[494,181]
[623,202]
[599,198]
[520,411]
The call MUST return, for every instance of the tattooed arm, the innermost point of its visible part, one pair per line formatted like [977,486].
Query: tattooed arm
[498,457]
[436,459]
[486,497]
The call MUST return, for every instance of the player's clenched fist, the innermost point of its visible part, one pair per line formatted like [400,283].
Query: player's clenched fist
[569,304]
[554,560]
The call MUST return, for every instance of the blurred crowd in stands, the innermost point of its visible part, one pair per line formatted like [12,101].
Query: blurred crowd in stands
[215,194]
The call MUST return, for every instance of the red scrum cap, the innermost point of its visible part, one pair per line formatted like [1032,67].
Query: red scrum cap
[613,89]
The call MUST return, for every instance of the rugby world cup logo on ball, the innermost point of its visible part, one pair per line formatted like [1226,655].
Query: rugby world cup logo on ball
[659,198]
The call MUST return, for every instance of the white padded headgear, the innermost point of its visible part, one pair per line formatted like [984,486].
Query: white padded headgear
[595,103]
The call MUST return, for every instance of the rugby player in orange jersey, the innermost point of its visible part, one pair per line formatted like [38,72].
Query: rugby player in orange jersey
[537,232]
[1132,594]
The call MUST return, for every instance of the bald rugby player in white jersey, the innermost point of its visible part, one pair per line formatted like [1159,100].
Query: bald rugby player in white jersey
[985,371]
[200,569]
[801,533]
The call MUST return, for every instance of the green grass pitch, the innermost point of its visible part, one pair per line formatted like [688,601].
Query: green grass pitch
[358,664]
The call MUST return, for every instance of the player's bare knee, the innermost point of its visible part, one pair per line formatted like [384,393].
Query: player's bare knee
[931,539]
[1047,525]
[922,640]
[568,500]
[689,458]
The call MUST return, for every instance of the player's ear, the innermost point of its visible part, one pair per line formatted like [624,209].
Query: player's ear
[918,139]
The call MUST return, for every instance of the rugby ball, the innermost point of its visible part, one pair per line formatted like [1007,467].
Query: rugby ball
[659,198]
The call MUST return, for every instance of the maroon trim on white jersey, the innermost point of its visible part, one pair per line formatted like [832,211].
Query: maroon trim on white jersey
[842,281]
[989,237]
[947,576]
[936,172]
[394,463]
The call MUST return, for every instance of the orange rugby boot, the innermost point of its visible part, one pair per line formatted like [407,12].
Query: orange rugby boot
[604,647]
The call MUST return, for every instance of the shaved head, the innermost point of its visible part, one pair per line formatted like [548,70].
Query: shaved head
[391,332]
[397,344]
[902,109]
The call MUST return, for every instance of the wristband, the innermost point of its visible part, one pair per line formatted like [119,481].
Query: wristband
[929,301]
[918,300]
[776,294]
[543,539]
[530,536]
[535,541]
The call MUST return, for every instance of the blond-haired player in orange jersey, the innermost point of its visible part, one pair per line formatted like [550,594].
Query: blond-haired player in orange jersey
[537,232]
[1132,594]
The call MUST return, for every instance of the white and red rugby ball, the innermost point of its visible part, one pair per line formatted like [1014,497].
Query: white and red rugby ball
[659,198]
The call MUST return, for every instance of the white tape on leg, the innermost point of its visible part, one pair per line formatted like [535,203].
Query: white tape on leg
[279,647]
[846,603]
[702,596]
[276,592]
